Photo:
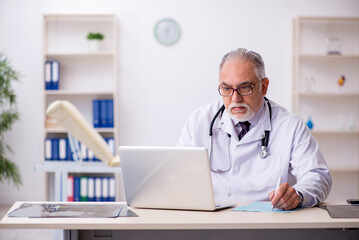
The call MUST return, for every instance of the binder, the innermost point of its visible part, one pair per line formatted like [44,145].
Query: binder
[68,151]
[103,113]
[75,148]
[83,152]
[62,149]
[110,113]
[91,189]
[70,188]
[55,149]
[48,149]
[105,186]
[47,75]
[111,144]
[112,189]
[98,190]
[90,155]
[83,189]
[55,75]
[96,113]
[77,189]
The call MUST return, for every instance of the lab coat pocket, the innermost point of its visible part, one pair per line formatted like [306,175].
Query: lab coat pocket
[266,171]
[220,159]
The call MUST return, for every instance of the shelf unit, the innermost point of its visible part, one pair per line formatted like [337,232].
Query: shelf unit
[333,109]
[85,75]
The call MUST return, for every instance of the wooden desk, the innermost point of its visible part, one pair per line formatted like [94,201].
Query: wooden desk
[225,224]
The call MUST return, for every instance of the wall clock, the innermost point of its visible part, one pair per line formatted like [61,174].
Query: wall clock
[167,31]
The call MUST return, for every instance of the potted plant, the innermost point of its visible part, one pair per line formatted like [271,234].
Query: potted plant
[94,40]
[8,115]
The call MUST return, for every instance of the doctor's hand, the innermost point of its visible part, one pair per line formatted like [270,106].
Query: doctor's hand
[285,198]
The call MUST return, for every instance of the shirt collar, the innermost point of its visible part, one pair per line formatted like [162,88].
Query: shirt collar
[260,121]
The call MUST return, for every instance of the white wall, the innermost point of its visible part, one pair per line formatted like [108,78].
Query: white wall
[166,83]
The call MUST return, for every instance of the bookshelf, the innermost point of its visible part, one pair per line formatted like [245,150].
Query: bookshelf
[85,75]
[324,50]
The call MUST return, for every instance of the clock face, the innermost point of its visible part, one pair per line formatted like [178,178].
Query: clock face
[167,31]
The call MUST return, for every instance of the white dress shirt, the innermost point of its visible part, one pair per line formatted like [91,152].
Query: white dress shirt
[293,154]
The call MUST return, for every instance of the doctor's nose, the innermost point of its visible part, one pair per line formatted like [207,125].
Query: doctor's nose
[236,97]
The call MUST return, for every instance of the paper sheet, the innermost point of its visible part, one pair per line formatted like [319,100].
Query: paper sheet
[78,210]
[260,207]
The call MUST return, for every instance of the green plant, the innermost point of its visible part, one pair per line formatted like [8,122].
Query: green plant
[97,36]
[8,115]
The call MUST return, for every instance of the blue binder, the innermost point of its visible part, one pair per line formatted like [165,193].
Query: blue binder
[104,192]
[103,113]
[110,112]
[68,151]
[91,189]
[84,152]
[47,75]
[112,189]
[55,149]
[77,189]
[62,149]
[48,149]
[55,75]
[96,113]
[98,189]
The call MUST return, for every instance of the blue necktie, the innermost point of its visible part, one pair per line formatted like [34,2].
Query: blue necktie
[245,129]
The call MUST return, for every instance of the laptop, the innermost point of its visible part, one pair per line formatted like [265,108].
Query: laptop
[167,178]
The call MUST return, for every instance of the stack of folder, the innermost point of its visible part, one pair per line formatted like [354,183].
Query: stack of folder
[58,149]
[102,113]
[52,75]
[91,189]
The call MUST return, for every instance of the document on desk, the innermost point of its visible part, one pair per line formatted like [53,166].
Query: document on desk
[260,207]
[343,211]
[77,210]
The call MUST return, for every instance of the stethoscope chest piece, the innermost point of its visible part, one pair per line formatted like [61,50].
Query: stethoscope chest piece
[263,153]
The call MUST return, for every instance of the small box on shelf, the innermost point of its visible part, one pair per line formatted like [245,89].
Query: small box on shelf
[333,46]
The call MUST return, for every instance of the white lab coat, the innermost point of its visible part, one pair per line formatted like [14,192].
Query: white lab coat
[293,154]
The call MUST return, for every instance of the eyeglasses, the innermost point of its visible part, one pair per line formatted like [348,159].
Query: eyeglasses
[242,91]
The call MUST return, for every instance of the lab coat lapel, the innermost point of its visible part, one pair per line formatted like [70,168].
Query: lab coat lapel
[226,124]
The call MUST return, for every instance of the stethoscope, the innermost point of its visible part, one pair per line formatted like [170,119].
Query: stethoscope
[263,152]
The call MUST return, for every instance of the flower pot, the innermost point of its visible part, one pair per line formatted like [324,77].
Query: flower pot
[94,45]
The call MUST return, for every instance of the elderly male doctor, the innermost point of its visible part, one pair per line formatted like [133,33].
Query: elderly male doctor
[246,125]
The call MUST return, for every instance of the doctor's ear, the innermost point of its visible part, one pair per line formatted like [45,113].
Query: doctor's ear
[265,83]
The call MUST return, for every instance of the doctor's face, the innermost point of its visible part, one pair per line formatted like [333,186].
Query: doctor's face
[236,74]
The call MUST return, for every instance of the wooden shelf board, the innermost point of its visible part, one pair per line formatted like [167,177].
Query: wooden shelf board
[77,92]
[76,167]
[327,57]
[77,16]
[79,54]
[328,94]
[334,132]
[63,130]
[327,19]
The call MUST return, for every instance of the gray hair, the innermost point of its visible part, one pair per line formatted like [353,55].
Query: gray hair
[243,55]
